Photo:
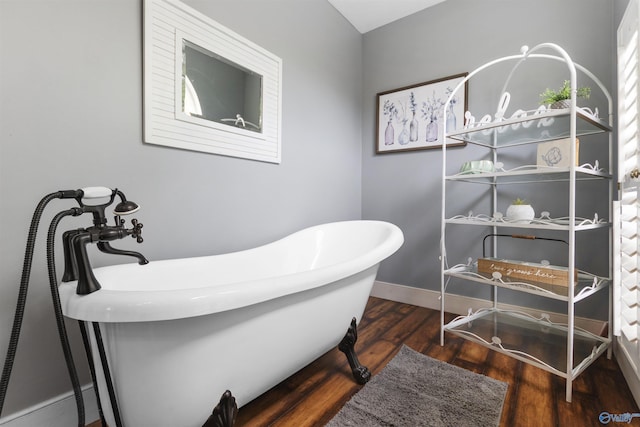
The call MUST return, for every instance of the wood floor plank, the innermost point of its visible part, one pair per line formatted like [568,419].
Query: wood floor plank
[399,331]
[472,357]
[377,307]
[445,352]
[426,332]
[613,394]
[504,368]
[313,395]
[579,409]
[326,400]
[535,398]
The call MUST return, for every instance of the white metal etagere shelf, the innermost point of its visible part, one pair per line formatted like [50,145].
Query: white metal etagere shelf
[573,348]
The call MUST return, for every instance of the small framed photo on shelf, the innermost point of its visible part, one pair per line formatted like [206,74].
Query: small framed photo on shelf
[412,117]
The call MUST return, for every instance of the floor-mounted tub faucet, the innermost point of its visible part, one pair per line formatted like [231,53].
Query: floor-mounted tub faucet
[76,260]
[77,266]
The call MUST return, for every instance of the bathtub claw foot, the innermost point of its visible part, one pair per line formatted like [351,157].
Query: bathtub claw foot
[360,373]
[225,412]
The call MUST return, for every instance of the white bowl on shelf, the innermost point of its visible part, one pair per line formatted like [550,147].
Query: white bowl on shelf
[477,166]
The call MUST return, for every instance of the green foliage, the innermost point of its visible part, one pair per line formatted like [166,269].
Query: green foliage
[549,96]
[520,201]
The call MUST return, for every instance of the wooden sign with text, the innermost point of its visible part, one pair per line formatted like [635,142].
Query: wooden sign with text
[527,271]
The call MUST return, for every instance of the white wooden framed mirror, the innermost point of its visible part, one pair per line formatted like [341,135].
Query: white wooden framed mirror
[207,88]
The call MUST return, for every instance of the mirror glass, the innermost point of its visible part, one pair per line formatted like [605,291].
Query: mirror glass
[219,90]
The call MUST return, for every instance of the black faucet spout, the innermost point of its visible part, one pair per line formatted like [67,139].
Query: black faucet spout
[108,249]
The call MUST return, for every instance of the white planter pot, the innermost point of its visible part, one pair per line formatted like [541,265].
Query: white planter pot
[564,103]
[520,213]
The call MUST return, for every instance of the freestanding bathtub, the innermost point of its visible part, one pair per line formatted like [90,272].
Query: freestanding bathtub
[180,332]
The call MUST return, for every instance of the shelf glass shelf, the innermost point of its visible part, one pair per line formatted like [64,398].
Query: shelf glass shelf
[527,174]
[537,341]
[545,126]
[586,285]
[541,223]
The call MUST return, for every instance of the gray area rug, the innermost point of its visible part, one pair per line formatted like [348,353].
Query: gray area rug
[417,390]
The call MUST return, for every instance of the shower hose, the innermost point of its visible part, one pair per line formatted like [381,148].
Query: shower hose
[20,307]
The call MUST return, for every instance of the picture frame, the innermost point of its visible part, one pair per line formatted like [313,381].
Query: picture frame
[411,117]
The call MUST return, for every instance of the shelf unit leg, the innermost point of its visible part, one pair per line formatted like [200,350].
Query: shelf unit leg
[442,319]
[570,343]
[569,390]
[610,324]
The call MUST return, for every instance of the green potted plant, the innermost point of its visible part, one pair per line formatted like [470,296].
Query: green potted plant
[560,98]
[520,211]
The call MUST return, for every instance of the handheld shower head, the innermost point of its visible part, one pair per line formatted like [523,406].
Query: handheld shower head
[125,208]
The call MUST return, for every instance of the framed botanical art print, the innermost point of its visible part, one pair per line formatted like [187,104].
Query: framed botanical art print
[412,117]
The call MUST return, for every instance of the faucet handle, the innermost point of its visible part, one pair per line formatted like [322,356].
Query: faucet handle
[136,231]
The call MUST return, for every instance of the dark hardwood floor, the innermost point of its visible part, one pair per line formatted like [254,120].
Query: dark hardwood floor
[312,396]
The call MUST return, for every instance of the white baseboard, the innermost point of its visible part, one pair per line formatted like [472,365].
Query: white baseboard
[59,411]
[460,305]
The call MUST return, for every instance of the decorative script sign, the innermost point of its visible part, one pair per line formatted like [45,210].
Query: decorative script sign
[530,272]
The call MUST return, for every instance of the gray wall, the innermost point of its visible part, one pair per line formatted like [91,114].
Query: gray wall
[71,116]
[458,36]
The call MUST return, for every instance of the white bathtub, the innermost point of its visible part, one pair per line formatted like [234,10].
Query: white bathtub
[178,333]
